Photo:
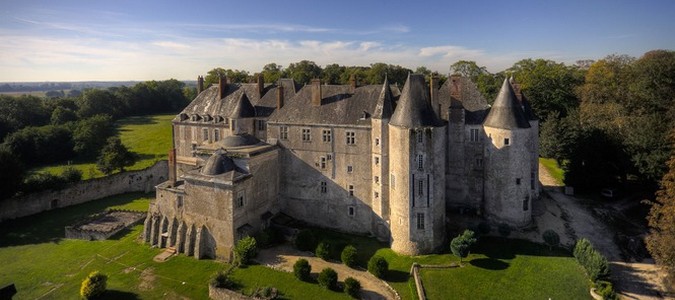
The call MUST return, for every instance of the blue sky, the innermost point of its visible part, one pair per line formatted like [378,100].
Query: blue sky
[144,40]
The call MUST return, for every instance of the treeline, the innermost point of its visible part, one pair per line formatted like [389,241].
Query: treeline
[36,131]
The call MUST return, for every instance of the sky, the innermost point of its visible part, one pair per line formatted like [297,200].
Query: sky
[155,40]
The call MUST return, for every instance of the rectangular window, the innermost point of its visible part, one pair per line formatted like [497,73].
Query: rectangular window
[377,141]
[506,141]
[351,138]
[393,181]
[326,136]
[377,179]
[324,187]
[420,221]
[517,181]
[474,135]
[351,211]
[420,162]
[261,125]
[329,156]
[420,187]
[240,201]
[216,135]
[526,204]
[533,180]
[351,190]
[323,162]
[283,132]
[377,195]
[205,134]
[349,169]
[306,135]
[377,160]
[420,136]
[479,162]
[179,201]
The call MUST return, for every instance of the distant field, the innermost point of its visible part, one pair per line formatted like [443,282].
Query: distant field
[148,136]
[554,169]
[36,93]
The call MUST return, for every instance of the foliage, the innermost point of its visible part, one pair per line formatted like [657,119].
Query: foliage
[268,237]
[213,76]
[61,115]
[328,278]
[19,112]
[596,264]
[302,269]
[221,280]
[504,229]
[352,287]
[323,251]
[91,134]
[305,241]
[94,285]
[303,71]
[558,136]
[245,250]
[551,238]
[378,266]
[114,155]
[39,145]
[12,174]
[71,175]
[348,256]
[272,72]
[605,290]
[461,245]
[661,239]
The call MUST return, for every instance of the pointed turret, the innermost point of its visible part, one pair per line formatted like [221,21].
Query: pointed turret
[242,108]
[385,106]
[506,112]
[414,109]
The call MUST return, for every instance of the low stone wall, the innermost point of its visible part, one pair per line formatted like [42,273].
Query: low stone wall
[84,191]
[216,293]
[103,226]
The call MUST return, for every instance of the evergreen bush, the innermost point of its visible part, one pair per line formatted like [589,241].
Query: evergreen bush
[328,278]
[348,256]
[302,269]
[378,266]
[596,264]
[352,287]
[323,251]
[94,285]
[245,250]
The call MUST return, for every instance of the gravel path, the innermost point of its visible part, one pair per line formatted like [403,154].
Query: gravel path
[284,256]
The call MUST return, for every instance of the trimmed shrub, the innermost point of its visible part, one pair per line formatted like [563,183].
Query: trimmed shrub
[71,175]
[302,269]
[94,285]
[461,245]
[305,241]
[245,250]
[605,290]
[328,278]
[323,251]
[221,280]
[504,229]
[352,287]
[378,266]
[596,264]
[348,256]
[484,228]
[551,238]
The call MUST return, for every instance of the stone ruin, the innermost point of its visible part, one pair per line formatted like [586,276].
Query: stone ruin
[103,226]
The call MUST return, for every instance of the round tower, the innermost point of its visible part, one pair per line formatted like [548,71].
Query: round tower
[508,157]
[417,141]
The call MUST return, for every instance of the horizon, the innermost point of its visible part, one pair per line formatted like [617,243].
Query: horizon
[75,41]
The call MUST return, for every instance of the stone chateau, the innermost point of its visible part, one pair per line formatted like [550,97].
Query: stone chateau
[373,159]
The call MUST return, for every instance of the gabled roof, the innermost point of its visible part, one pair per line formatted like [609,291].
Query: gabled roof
[242,108]
[385,103]
[461,92]
[268,103]
[413,108]
[506,112]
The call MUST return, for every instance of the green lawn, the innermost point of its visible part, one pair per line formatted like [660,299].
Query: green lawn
[148,136]
[553,168]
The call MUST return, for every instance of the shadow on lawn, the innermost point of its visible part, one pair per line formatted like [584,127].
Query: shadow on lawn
[489,264]
[114,294]
[49,226]
[140,120]
[503,248]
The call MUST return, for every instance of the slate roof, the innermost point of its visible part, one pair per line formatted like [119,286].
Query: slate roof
[242,108]
[218,164]
[239,140]
[268,103]
[339,105]
[462,92]
[413,108]
[506,112]
[385,103]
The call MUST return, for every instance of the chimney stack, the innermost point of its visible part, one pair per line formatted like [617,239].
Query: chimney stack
[316,92]
[352,83]
[222,86]
[261,84]
[200,84]
[172,167]
[280,96]
[455,87]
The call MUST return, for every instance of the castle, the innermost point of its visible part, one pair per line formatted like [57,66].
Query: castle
[371,159]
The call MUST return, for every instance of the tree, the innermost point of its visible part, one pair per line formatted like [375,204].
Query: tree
[487,83]
[461,245]
[352,287]
[245,250]
[302,269]
[114,155]
[95,102]
[348,256]
[661,238]
[12,174]
[551,238]
[558,136]
[328,278]
[303,71]
[213,76]
[94,285]
[90,135]
[40,145]
[61,115]
[331,74]
[378,266]
[272,72]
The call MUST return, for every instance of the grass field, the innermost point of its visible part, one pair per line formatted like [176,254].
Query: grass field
[148,136]
[553,168]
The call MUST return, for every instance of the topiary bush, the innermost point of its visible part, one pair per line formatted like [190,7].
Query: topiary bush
[551,238]
[461,245]
[484,228]
[221,280]
[328,278]
[378,266]
[348,256]
[94,285]
[596,264]
[302,269]
[245,250]
[305,241]
[605,290]
[352,287]
[323,251]
[504,229]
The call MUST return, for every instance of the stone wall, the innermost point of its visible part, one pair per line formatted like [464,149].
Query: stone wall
[84,191]
[216,293]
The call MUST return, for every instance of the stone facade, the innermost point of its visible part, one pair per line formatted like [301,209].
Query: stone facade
[371,159]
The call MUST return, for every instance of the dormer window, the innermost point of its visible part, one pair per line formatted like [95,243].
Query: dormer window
[364,115]
[183,117]
[506,141]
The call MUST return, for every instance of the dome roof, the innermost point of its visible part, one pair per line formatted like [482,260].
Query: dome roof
[218,164]
[240,140]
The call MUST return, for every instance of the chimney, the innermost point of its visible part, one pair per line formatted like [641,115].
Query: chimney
[280,96]
[261,84]
[352,83]
[455,87]
[172,167]
[433,93]
[316,92]
[222,86]
[200,84]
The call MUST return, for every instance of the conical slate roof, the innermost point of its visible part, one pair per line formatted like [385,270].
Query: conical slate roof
[414,109]
[506,112]
[385,106]
[218,164]
[243,108]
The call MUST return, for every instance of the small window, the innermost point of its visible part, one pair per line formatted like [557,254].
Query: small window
[517,181]
[533,180]
[377,195]
[377,179]
[377,141]
[283,132]
[351,211]
[351,138]
[420,162]
[216,135]
[474,135]
[526,204]
[326,136]
[329,156]
[377,160]
[240,199]
[420,221]
[420,187]
[306,135]
[479,162]
[261,125]
[420,136]
[506,141]
[349,169]
[393,181]
[233,124]
[324,187]
[351,190]
[323,163]
[205,134]
[179,201]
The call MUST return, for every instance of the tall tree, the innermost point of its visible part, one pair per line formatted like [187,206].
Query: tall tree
[488,84]
[12,174]
[332,73]
[272,72]
[114,156]
[213,76]
[303,71]
[661,239]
